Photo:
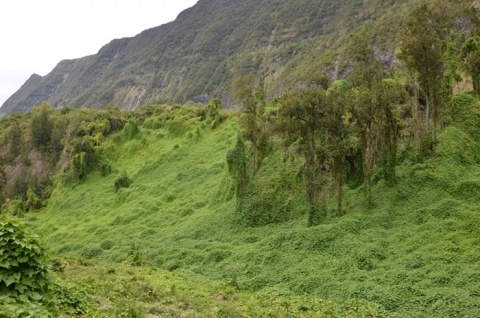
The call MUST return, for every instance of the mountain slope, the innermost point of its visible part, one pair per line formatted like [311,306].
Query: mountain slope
[415,253]
[197,56]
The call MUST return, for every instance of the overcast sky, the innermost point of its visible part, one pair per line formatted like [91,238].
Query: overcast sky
[37,34]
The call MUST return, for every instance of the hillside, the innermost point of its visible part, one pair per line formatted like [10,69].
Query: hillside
[415,253]
[357,197]
[150,223]
[196,57]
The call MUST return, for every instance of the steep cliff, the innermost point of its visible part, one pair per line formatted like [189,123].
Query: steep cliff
[197,56]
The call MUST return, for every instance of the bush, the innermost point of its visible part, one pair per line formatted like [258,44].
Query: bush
[41,128]
[72,300]
[33,201]
[130,310]
[24,275]
[106,168]
[122,181]
[106,245]
[91,252]
[130,129]
[153,123]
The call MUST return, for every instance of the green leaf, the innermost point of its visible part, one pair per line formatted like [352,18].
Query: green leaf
[35,296]
[21,288]
[9,280]
[5,264]
[22,259]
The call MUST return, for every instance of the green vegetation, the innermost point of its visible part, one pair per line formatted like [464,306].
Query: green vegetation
[413,253]
[23,270]
[357,198]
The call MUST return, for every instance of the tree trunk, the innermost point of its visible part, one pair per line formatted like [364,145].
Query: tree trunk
[416,118]
[476,83]
[340,175]
[255,153]
[311,193]
[427,114]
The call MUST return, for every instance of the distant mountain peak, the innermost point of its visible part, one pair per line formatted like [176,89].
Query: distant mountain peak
[197,56]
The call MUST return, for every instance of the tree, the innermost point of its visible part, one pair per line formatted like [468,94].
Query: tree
[41,128]
[422,50]
[393,98]
[470,53]
[340,140]
[375,106]
[301,115]
[252,96]
[14,139]
[56,145]
[364,106]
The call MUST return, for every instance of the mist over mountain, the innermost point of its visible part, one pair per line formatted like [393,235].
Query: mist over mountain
[197,56]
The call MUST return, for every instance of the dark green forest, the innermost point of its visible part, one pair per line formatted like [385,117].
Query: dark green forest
[333,197]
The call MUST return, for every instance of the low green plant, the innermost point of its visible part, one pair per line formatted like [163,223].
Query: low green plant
[106,168]
[106,245]
[130,130]
[71,299]
[122,181]
[24,268]
[33,202]
[11,309]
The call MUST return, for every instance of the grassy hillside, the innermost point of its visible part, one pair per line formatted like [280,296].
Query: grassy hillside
[414,254]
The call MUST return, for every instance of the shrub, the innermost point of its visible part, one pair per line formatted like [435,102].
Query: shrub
[130,310]
[33,201]
[14,207]
[41,128]
[106,168]
[153,123]
[130,129]
[213,112]
[24,275]
[71,299]
[122,181]
[91,252]
[106,245]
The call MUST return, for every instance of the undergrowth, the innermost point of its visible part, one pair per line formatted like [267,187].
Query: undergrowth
[414,252]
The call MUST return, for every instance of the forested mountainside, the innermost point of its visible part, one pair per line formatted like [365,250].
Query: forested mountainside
[197,56]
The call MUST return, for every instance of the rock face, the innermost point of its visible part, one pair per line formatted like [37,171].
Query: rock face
[197,56]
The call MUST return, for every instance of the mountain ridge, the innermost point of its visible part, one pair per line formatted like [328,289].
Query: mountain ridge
[197,56]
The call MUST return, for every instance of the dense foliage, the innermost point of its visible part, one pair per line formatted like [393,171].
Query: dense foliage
[24,276]
[361,191]
[351,131]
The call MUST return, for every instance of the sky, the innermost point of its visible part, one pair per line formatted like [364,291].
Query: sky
[37,34]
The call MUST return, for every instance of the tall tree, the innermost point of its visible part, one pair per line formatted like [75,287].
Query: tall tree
[251,94]
[471,57]
[14,139]
[375,105]
[364,105]
[422,50]
[340,140]
[41,128]
[393,103]
[301,116]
